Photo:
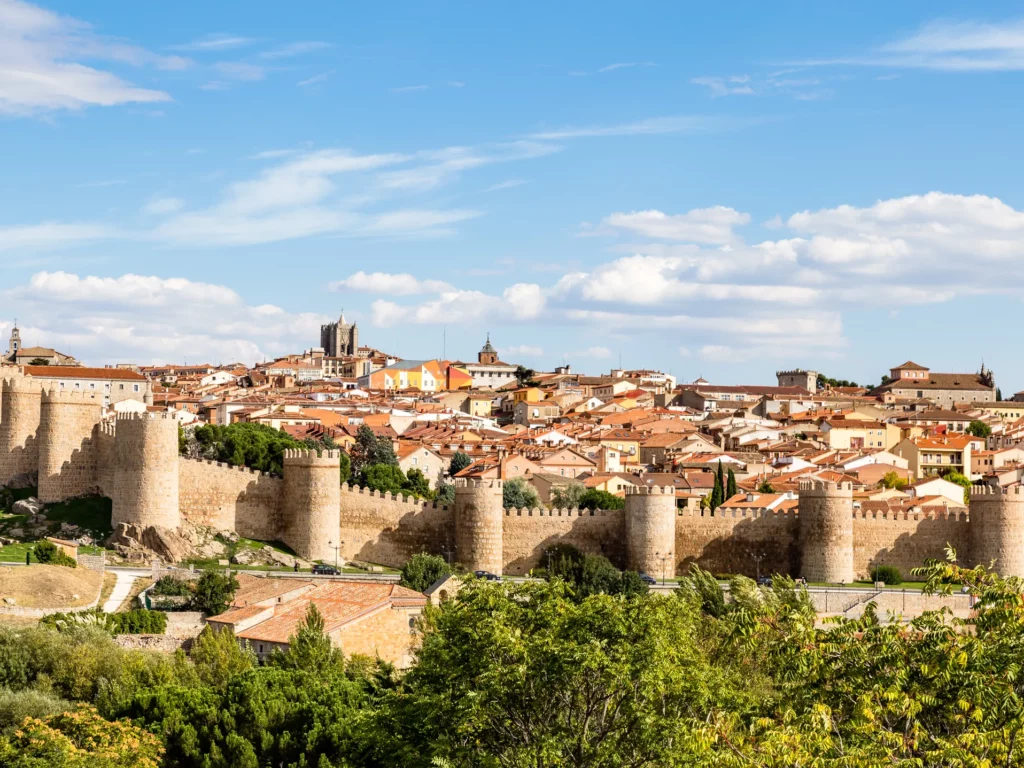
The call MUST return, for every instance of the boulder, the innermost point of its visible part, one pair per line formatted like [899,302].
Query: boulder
[10,601]
[16,533]
[30,506]
[166,543]
[246,557]
[24,480]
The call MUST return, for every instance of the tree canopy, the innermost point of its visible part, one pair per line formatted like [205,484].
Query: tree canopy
[978,428]
[517,494]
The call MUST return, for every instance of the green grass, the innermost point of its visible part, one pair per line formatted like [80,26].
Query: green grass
[15,553]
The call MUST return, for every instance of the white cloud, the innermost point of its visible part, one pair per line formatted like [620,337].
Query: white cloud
[294,49]
[164,205]
[41,67]
[240,70]
[597,353]
[701,225]
[52,235]
[648,127]
[507,184]
[220,41]
[148,319]
[410,88]
[726,86]
[519,302]
[315,79]
[626,65]
[520,350]
[402,284]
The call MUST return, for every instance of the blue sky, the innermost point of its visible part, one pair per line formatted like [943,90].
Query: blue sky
[713,191]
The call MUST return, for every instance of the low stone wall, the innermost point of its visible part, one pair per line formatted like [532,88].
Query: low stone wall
[164,643]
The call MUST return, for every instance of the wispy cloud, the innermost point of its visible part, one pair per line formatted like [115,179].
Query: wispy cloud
[726,86]
[270,154]
[654,125]
[805,88]
[626,65]
[455,84]
[218,41]
[104,183]
[410,88]
[315,79]
[507,184]
[294,49]
[41,69]
[240,70]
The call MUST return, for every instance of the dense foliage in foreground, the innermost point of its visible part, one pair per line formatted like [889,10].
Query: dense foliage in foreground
[535,674]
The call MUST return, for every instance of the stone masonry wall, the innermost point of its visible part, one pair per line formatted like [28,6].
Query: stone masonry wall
[826,531]
[526,533]
[650,530]
[730,542]
[906,541]
[997,529]
[144,489]
[387,633]
[311,503]
[68,437]
[230,498]
[387,529]
[478,525]
[19,425]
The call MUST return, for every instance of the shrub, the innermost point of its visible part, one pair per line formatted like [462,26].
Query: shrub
[213,592]
[138,622]
[888,574]
[422,570]
[50,554]
[596,499]
[168,586]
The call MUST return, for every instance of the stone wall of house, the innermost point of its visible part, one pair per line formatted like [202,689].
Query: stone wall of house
[389,633]
[527,533]
[906,540]
[383,528]
[230,498]
[733,542]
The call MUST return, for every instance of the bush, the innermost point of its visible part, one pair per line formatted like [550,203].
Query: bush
[138,622]
[422,570]
[213,592]
[596,499]
[49,553]
[168,586]
[888,574]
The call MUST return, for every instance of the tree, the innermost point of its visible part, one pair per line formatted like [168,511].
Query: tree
[80,739]
[49,553]
[999,395]
[422,570]
[893,480]
[310,648]
[717,494]
[985,376]
[218,656]
[730,484]
[445,494]
[978,428]
[517,494]
[418,484]
[524,375]
[765,486]
[458,463]
[953,476]
[590,574]
[385,478]
[38,361]
[368,451]
[213,592]
[597,499]
[568,496]
[721,479]
[346,467]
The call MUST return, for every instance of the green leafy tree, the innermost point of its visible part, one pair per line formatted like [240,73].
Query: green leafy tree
[524,375]
[386,478]
[730,490]
[978,428]
[445,494]
[49,553]
[568,496]
[596,499]
[517,494]
[765,486]
[418,484]
[720,474]
[38,361]
[960,479]
[80,739]
[218,656]
[422,570]
[717,494]
[213,592]
[459,462]
[893,480]
[245,444]
[346,468]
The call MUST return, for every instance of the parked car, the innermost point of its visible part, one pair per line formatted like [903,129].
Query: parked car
[764,581]
[325,570]
[648,580]
[487,575]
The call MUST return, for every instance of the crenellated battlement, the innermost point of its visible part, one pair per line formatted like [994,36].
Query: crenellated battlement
[549,512]
[1013,494]
[650,490]
[815,485]
[21,385]
[163,416]
[301,454]
[475,482]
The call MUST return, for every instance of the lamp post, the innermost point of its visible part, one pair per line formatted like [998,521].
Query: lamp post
[662,559]
[335,547]
[757,558]
[447,553]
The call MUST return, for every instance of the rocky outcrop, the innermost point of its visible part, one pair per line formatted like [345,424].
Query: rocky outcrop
[167,544]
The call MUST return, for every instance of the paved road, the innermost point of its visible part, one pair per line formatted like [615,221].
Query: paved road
[123,587]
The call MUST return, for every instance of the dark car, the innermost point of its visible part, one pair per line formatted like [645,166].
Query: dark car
[764,581]
[487,575]
[325,570]
[648,580]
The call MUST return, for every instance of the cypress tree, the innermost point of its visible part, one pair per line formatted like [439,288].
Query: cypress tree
[730,484]
[721,479]
[716,495]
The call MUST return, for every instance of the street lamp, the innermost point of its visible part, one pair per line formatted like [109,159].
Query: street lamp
[447,553]
[335,547]
[662,559]
[757,558]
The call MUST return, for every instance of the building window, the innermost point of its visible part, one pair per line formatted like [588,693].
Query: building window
[135,387]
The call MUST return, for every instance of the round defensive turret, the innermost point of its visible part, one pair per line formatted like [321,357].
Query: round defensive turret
[651,530]
[826,531]
[145,483]
[312,503]
[19,427]
[997,529]
[479,519]
[68,427]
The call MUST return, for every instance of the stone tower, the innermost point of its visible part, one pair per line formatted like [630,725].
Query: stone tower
[19,424]
[145,478]
[68,437]
[479,519]
[651,530]
[997,529]
[14,344]
[312,503]
[340,339]
[826,531]
[488,355]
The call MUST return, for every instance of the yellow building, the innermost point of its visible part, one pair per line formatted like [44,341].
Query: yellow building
[845,434]
[528,395]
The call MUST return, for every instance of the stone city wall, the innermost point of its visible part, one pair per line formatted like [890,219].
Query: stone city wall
[230,498]
[383,528]
[906,540]
[68,439]
[729,542]
[526,533]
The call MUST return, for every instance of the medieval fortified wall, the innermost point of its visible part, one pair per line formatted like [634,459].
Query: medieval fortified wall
[134,461]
